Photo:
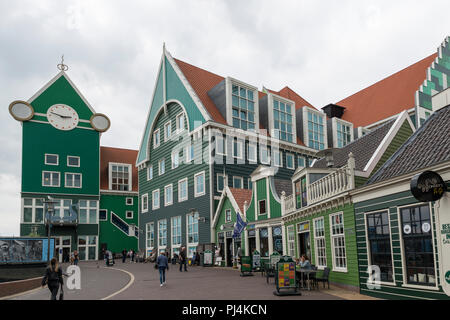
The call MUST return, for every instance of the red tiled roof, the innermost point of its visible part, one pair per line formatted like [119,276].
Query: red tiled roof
[387,97]
[202,81]
[109,154]
[241,195]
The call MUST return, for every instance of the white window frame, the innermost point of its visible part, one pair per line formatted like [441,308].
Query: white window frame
[195,221]
[290,230]
[198,194]
[272,97]
[187,190]
[51,164]
[159,166]
[259,213]
[166,202]
[150,176]
[73,180]
[338,269]
[293,160]
[334,122]
[175,234]
[163,246]
[51,179]
[88,208]
[187,150]
[262,150]
[153,199]
[126,201]
[253,145]
[227,215]
[156,133]
[222,139]
[305,111]
[240,145]
[321,238]
[280,153]
[178,128]
[168,123]
[106,219]
[75,157]
[127,212]
[130,174]
[304,161]
[144,200]
[229,82]
[150,230]
[177,153]
[87,246]
[242,182]
[225,181]
[33,207]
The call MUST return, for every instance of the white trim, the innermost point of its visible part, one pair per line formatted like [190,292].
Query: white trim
[159,166]
[198,194]
[106,219]
[76,166]
[280,165]
[259,213]
[242,182]
[148,171]
[126,201]
[226,215]
[338,269]
[229,81]
[305,111]
[156,133]
[127,212]
[144,196]
[166,138]
[51,178]
[51,164]
[254,145]
[178,130]
[130,175]
[313,231]
[148,224]
[172,157]
[225,181]
[241,143]
[167,203]
[334,122]
[172,245]
[153,199]
[369,262]
[271,118]
[304,161]
[162,247]
[402,246]
[268,153]
[293,160]
[73,173]
[187,189]
[224,145]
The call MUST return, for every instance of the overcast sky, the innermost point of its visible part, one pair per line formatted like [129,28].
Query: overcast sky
[324,50]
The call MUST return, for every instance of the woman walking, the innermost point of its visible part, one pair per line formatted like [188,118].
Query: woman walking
[162,264]
[53,278]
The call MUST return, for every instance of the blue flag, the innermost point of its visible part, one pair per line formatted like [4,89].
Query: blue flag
[239,227]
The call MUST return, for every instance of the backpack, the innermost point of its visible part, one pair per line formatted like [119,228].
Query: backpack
[53,276]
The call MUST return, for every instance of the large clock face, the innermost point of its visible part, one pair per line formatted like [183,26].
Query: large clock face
[62,117]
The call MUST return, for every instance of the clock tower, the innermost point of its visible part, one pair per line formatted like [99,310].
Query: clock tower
[61,160]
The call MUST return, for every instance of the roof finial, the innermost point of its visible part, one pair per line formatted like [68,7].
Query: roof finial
[62,66]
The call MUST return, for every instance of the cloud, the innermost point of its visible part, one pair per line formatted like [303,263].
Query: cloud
[323,50]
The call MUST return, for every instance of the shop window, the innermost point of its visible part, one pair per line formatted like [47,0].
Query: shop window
[277,239]
[379,246]
[418,245]
[264,242]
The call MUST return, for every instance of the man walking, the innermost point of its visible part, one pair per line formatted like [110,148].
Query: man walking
[162,264]
[183,259]
[124,255]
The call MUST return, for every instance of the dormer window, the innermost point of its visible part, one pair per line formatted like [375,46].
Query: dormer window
[314,129]
[243,103]
[300,193]
[283,120]
[342,132]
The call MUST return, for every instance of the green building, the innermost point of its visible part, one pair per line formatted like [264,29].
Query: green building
[319,218]
[260,208]
[61,157]
[405,241]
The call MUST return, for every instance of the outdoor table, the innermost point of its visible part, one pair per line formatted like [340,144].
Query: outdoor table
[308,272]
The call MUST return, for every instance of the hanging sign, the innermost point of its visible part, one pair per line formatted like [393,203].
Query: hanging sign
[428,186]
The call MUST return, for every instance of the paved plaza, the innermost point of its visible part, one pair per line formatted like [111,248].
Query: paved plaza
[140,281]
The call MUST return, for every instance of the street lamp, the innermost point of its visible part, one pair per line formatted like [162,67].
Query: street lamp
[50,206]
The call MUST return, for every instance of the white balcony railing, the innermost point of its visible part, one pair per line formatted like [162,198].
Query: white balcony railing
[337,182]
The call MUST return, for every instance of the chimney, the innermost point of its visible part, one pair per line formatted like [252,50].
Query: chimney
[333,110]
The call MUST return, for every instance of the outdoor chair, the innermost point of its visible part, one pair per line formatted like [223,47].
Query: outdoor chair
[269,271]
[324,277]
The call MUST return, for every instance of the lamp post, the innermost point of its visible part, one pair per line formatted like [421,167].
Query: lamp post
[50,206]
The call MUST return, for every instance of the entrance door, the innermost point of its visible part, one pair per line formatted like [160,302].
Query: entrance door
[66,254]
[304,245]
[229,254]
[251,245]
[63,248]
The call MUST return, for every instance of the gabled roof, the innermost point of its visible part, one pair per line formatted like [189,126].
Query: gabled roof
[428,146]
[283,185]
[387,97]
[202,81]
[117,155]
[240,196]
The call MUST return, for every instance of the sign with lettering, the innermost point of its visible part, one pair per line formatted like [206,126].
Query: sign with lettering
[246,264]
[428,186]
[286,275]
[442,210]
[256,259]
[207,258]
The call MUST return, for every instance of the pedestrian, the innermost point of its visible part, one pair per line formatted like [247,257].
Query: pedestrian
[132,255]
[182,257]
[163,263]
[53,278]
[75,257]
[124,255]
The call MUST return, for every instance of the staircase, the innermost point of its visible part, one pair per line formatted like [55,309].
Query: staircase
[131,231]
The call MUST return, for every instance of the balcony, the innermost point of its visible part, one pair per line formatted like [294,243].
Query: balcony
[337,182]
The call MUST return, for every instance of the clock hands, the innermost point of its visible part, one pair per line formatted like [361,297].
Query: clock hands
[61,115]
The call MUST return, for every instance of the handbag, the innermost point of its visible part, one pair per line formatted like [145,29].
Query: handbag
[61,294]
